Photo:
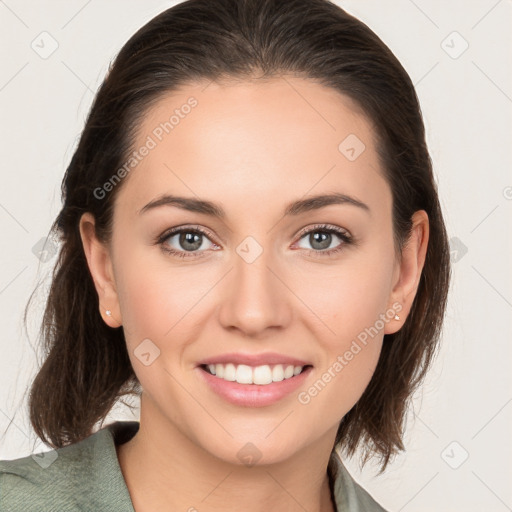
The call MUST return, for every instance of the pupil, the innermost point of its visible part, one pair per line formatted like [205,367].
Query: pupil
[190,238]
[325,239]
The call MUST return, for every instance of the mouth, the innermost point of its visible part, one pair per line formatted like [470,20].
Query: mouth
[254,380]
[261,375]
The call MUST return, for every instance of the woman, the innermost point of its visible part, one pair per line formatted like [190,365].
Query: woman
[252,241]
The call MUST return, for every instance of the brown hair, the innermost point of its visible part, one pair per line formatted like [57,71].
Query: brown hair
[86,367]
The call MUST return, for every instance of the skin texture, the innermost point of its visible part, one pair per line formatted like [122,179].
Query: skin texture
[252,147]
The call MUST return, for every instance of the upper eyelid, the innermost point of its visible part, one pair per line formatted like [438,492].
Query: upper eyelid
[324,227]
[185,229]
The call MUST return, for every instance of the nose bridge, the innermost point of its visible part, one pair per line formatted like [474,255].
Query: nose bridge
[255,298]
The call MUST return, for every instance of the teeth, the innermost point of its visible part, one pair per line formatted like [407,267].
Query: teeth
[230,372]
[244,374]
[219,370]
[278,373]
[260,375]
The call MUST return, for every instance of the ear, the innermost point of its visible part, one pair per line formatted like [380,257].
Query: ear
[408,271]
[100,265]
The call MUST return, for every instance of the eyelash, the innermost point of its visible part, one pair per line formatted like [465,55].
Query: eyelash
[322,228]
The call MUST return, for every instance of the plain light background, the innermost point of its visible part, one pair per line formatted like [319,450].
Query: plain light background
[458,443]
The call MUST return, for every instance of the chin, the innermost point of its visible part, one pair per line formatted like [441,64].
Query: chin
[253,450]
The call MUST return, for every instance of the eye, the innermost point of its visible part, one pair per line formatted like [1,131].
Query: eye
[186,242]
[321,238]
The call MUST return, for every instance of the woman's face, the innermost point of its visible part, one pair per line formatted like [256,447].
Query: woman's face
[275,280]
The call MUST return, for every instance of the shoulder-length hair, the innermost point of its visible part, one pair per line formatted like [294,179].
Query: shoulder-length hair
[86,367]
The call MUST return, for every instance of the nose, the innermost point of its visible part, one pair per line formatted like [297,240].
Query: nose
[255,298]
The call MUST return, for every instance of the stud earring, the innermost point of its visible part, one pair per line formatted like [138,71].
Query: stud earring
[108,312]
[397,317]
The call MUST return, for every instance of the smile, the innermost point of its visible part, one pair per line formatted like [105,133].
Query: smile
[260,375]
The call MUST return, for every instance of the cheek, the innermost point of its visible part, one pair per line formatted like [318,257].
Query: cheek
[353,305]
[350,356]
[348,298]
[158,297]
[142,300]
[157,304]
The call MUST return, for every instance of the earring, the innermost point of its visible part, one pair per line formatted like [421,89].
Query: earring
[397,317]
[108,312]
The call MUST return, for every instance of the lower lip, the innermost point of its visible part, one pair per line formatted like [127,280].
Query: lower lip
[253,395]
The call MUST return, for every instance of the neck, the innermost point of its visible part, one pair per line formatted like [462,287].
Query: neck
[165,470]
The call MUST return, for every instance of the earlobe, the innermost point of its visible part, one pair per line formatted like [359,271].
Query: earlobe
[410,269]
[100,266]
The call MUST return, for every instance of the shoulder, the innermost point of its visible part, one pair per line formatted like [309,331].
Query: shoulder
[80,475]
[349,495]
[49,480]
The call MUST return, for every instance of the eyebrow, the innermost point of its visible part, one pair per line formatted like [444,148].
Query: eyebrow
[295,208]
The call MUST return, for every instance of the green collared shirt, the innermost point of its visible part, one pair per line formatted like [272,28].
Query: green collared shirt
[86,477]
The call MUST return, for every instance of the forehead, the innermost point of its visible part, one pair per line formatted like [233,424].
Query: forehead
[251,141]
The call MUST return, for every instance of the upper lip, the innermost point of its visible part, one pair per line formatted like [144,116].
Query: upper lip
[270,358]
